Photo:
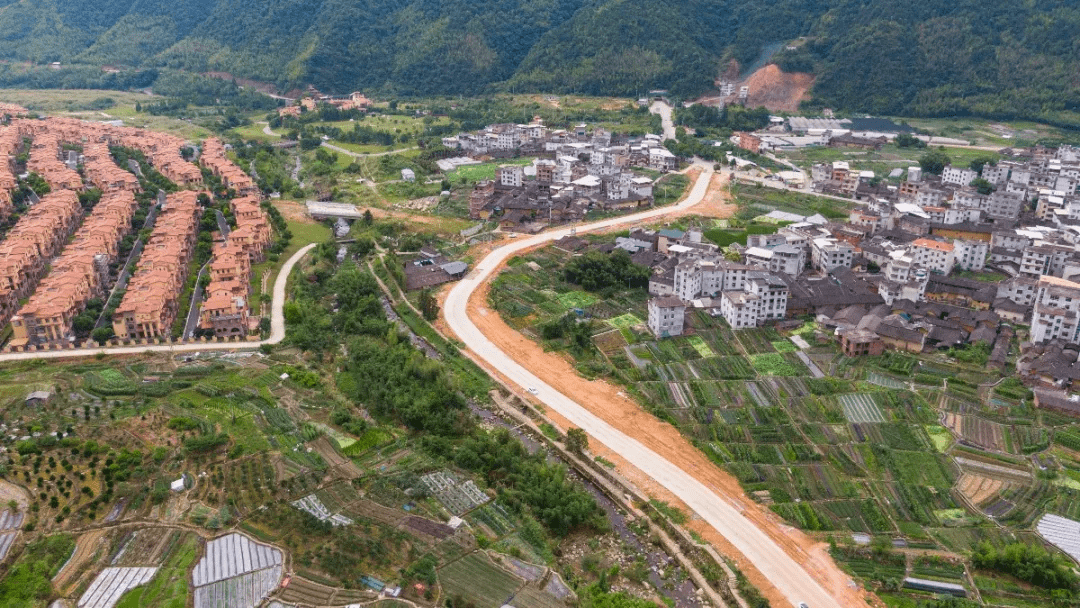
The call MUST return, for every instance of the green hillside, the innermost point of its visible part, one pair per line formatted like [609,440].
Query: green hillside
[1011,58]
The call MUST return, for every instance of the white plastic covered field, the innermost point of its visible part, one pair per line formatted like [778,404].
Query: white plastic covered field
[112,583]
[235,572]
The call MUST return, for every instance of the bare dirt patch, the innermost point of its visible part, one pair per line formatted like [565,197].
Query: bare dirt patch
[294,211]
[80,562]
[978,488]
[717,202]
[777,90]
[10,491]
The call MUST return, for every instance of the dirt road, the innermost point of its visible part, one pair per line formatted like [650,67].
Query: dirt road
[787,565]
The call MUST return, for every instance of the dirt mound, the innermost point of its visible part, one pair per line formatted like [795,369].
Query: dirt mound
[777,90]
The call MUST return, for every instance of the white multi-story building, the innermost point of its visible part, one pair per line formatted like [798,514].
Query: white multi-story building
[828,253]
[667,316]
[970,254]
[933,255]
[1044,258]
[996,174]
[662,159]
[785,258]
[958,176]
[930,197]
[511,176]
[708,277]
[1004,205]
[504,137]
[763,297]
[1057,311]
[899,268]
[1020,290]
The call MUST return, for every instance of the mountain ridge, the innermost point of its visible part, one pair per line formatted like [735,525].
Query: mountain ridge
[1011,59]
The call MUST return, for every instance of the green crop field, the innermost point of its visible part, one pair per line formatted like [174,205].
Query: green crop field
[701,347]
[475,578]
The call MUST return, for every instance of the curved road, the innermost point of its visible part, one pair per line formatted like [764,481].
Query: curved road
[277,329]
[794,582]
[268,131]
[359,155]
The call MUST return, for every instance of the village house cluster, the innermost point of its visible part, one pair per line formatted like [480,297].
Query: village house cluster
[893,275]
[57,257]
[574,172]
[313,98]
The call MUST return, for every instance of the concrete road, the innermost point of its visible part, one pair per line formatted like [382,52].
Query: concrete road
[664,110]
[785,573]
[330,146]
[277,329]
[195,305]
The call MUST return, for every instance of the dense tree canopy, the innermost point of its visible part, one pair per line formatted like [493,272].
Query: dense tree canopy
[1028,563]
[596,271]
[1004,59]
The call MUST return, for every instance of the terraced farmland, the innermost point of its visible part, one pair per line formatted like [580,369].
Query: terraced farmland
[458,497]
[977,431]
[312,505]
[475,578]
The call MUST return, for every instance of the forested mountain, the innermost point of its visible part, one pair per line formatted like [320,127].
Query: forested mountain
[890,56]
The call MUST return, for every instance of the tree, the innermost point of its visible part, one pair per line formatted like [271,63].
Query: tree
[934,161]
[983,186]
[907,140]
[102,334]
[429,306]
[981,161]
[82,323]
[577,441]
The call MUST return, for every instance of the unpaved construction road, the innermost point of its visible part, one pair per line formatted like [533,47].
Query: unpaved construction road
[786,564]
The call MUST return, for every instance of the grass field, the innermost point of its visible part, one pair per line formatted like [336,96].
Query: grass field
[624,321]
[254,132]
[577,299]
[475,173]
[303,233]
[365,148]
